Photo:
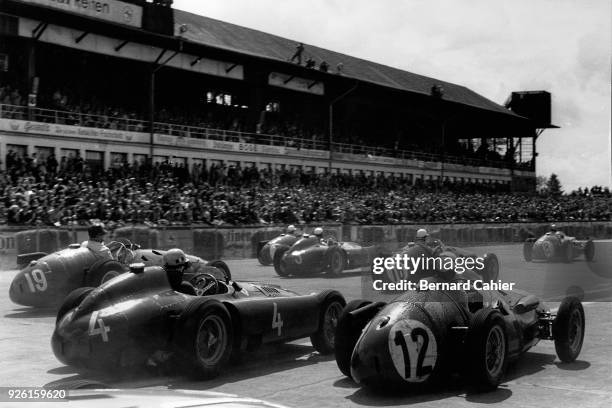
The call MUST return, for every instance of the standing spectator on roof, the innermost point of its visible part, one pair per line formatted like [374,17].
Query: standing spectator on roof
[299,49]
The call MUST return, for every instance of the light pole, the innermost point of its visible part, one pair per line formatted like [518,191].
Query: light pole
[331,122]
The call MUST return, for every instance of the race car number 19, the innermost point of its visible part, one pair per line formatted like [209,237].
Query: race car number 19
[413,350]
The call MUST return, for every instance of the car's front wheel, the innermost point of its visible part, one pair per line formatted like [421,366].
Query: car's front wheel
[487,345]
[337,261]
[324,340]
[568,329]
[348,331]
[71,301]
[103,271]
[280,266]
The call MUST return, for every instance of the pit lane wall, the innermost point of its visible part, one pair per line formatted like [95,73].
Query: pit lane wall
[239,243]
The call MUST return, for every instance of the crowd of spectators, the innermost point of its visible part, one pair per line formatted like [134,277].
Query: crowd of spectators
[48,192]
[218,121]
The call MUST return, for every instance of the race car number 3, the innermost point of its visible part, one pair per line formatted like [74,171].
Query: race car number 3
[413,350]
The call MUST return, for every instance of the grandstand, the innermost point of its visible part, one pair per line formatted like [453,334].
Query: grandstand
[116,82]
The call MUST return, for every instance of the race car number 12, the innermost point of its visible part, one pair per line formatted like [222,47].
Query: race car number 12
[413,350]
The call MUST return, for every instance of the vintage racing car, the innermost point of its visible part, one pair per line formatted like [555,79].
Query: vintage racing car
[136,317]
[421,336]
[556,246]
[265,254]
[47,279]
[310,255]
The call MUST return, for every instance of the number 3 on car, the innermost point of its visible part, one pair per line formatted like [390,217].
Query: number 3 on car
[413,350]
[277,322]
[102,329]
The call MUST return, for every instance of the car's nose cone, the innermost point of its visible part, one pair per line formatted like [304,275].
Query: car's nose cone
[395,350]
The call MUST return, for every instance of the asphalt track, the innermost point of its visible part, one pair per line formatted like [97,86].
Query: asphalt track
[295,375]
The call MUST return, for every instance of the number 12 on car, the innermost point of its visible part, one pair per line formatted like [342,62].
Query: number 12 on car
[413,350]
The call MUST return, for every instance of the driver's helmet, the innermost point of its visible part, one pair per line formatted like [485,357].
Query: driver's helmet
[96,231]
[174,258]
[291,229]
[421,234]
[553,228]
[318,232]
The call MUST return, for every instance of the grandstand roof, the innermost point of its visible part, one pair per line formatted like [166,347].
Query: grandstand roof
[244,40]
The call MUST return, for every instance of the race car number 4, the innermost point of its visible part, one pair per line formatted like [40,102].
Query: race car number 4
[277,322]
[101,328]
[413,350]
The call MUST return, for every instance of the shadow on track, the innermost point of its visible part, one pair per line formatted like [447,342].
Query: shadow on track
[31,312]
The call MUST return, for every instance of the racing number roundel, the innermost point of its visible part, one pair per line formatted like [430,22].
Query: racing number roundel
[413,349]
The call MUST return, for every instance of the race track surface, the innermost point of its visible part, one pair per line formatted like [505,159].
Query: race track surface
[295,375]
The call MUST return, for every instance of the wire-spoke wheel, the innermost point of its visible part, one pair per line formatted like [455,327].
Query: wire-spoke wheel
[324,340]
[568,329]
[211,339]
[495,351]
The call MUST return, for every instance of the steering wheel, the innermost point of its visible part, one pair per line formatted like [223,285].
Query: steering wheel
[205,284]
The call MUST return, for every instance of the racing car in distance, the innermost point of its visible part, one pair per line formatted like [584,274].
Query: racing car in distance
[46,279]
[311,255]
[137,318]
[488,272]
[420,337]
[267,249]
[556,246]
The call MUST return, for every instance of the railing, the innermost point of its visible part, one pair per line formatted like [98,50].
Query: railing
[122,122]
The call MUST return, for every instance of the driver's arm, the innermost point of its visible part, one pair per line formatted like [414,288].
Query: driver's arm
[187,288]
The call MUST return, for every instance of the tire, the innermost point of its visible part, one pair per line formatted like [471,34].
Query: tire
[336,261]
[348,331]
[589,251]
[200,318]
[528,250]
[491,267]
[222,266]
[71,301]
[487,349]
[324,339]
[568,329]
[260,248]
[279,265]
[567,253]
[103,271]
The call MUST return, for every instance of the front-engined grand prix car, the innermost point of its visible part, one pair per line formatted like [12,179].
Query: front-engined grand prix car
[267,249]
[310,255]
[137,317]
[556,246]
[421,336]
[45,280]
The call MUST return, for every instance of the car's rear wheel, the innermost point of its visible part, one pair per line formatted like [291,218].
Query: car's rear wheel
[324,339]
[337,261]
[568,329]
[589,250]
[204,338]
[103,271]
[71,301]
[280,266]
[528,250]
[348,331]
[487,345]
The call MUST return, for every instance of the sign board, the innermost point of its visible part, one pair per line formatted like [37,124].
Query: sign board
[110,10]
